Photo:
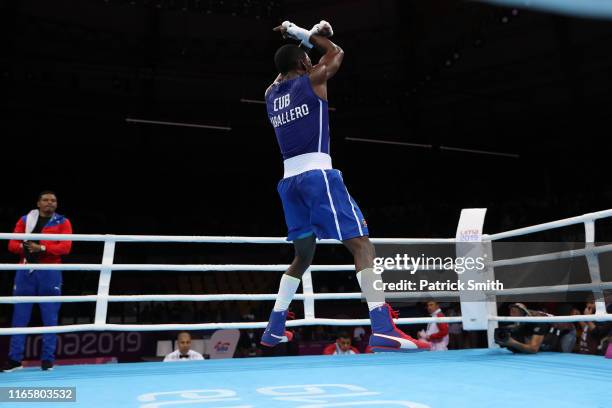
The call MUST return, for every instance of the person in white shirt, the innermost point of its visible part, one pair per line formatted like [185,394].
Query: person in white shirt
[184,352]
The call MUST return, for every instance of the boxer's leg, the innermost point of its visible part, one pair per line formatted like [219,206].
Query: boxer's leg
[352,229]
[297,217]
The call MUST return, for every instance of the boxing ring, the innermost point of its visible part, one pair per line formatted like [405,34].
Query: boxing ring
[460,378]
[474,378]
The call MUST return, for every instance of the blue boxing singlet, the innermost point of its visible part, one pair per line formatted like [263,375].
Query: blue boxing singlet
[301,123]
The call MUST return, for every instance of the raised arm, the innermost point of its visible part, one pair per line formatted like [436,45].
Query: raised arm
[318,37]
[329,63]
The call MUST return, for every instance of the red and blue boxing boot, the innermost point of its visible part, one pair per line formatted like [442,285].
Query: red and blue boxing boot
[275,333]
[387,337]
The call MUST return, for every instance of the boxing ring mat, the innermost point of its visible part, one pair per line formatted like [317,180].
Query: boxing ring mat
[459,378]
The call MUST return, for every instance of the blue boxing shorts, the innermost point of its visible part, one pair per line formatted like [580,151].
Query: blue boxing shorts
[317,201]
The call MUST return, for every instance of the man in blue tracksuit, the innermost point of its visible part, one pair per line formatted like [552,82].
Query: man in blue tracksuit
[29,282]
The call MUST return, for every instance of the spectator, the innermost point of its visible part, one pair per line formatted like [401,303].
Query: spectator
[567,335]
[527,337]
[38,282]
[184,352]
[592,335]
[436,333]
[576,312]
[342,346]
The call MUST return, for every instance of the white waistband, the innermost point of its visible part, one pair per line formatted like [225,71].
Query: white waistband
[305,162]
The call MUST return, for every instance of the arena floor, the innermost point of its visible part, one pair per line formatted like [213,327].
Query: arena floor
[463,378]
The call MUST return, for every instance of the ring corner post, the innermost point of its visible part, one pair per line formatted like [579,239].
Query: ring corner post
[477,307]
[593,265]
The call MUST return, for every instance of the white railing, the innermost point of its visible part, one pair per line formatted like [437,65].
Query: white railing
[590,251]
[102,298]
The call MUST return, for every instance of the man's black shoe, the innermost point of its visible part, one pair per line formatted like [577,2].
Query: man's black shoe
[11,365]
[46,365]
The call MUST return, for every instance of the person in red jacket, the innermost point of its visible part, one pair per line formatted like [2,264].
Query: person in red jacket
[436,333]
[342,345]
[30,282]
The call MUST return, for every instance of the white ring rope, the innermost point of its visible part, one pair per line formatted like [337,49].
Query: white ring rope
[574,287]
[581,219]
[579,287]
[290,323]
[205,239]
[177,268]
[213,298]
[553,256]
[102,298]
[215,326]
[553,319]
[186,267]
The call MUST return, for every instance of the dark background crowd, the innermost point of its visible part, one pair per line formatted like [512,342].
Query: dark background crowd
[490,107]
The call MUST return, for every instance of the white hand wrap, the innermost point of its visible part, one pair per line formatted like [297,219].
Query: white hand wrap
[321,27]
[298,33]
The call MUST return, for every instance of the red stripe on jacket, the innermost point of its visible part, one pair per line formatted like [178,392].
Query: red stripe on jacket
[442,330]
